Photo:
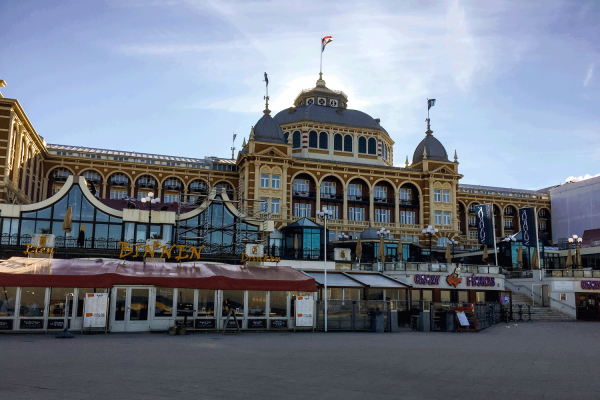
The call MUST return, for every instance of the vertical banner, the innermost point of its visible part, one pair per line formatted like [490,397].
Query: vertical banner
[527,220]
[484,217]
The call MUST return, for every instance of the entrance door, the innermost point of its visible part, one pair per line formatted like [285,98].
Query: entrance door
[545,295]
[130,309]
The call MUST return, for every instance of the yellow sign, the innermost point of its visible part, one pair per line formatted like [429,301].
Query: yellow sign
[184,251]
[343,254]
[42,240]
[246,257]
[37,249]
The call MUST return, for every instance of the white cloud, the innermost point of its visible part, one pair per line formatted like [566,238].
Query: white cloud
[580,178]
[589,75]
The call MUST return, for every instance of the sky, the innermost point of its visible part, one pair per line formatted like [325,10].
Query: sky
[517,83]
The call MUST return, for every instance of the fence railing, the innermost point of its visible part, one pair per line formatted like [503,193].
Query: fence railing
[571,273]
[356,315]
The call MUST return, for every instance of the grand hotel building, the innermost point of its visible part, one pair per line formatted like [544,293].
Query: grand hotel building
[316,153]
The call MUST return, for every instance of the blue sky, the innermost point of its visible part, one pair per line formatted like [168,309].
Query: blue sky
[517,83]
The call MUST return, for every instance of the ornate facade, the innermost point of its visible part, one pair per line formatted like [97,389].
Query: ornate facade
[317,153]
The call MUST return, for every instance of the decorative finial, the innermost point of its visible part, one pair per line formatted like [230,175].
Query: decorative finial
[244,144]
[455,156]
[428,131]
[424,153]
[266,97]
[252,134]
[406,165]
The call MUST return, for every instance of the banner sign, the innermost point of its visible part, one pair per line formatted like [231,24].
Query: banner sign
[590,285]
[95,310]
[481,280]
[528,226]
[304,310]
[421,279]
[484,215]
[342,254]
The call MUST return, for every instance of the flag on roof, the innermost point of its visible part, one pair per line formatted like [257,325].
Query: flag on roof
[324,42]
[430,103]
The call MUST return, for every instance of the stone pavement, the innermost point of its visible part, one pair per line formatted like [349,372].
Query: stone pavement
[528,361]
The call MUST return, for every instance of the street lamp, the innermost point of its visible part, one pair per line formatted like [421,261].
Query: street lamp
[343,236]
[325,215]
[150,200]
[383,231]
[430,230]
[453,242]
[577,240]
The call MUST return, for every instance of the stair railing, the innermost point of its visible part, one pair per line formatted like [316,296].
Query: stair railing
[535,294]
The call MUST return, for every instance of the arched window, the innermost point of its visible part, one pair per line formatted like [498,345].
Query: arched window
[312,139]
[372,146]
[362,145]
[443,241]
[92,176]
[286,136]
[119,180]
[296,140]
[61,174]
[146,182]
[197,186]
[348,143]
[337,142]
[173,184]
[323,139]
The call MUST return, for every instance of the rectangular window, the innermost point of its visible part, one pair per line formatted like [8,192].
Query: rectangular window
[406,194]
[274,206]
[278,304]
[438,218]
[472,235]
[264,181]
[542,213]
[56,308]
[275,182]
[508,223]
[264,206]
[8,296]
[437,195]
[354,191]
[407,217]
[206,303]
[542,225]
[327,190]
[380,192]
[446,198]
[447,218]
[171,198]
[334,210]
[472,221]
[300,186]
[163,307]
[233,300]
[382,215]
[302,210]
[409,238]
[356,214]
[32,302]
[118,194]
[257,303]
[185,302]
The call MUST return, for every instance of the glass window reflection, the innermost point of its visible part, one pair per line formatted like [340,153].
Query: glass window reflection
[32,302]
[233,299]
[257,303]
[164,302]
[8,296]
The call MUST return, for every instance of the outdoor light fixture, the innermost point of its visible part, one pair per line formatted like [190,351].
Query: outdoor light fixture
[343,236]
[575,239]
[430,230]
[453,242]
[325,215]
[384,232]
[150,200]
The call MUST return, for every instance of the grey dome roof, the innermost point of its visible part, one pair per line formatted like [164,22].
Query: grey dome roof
[369,234]
[329,115]
[267,130]
[435,150]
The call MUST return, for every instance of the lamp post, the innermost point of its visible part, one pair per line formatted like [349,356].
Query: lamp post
[150,200]
[453,242]
[342,236]
[577,240]
[430,230]
[325,214]
[383,233]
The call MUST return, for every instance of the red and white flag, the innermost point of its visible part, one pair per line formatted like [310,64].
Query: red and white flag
[324,42]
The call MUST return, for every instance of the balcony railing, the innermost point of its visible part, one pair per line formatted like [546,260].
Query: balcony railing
[60,178]
[332,196]
[359,199]
[173,188]
[304,195]
[146,185]
[408,203]
[200,189]
[119,183]
[571,273]
[384,200]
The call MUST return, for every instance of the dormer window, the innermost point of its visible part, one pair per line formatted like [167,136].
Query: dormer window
[333,103]
[322,101]
[309,102]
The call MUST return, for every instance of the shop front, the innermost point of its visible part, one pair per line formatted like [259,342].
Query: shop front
[147,296]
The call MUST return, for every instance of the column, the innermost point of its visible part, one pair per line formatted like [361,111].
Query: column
[10,138]
[318,194]
[397,208]
[44,188]
[431,211]
[38,169]
[31,173]
[17,157]
[104,190]
[285,213]
[256,184]
[455,208]
[132,190]
[345,212]
[371,206]
[246,177]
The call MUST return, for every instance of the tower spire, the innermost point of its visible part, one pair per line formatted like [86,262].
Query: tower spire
[266,97]
[455,156]
[406,165]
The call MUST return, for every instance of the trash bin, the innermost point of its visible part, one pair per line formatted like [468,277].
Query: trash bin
[394,326]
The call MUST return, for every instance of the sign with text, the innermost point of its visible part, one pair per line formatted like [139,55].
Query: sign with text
[528,226]
[484,219]
[6,324]
[205,324]
[95,310]
[32,324]
[257,324]
[279,323]
[481,280]
[255,249]
[422,279]
[304,310]
[590,285]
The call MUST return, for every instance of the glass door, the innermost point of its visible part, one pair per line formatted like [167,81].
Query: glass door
[130,309]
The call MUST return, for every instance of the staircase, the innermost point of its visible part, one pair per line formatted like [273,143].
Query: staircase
[538,313]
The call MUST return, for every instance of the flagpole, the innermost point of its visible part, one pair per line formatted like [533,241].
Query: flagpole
[321,66]
[428,108]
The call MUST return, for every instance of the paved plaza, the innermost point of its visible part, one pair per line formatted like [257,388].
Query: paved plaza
[528,361]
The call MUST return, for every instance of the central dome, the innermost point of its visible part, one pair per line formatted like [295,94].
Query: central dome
[431,148]
[267,130]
